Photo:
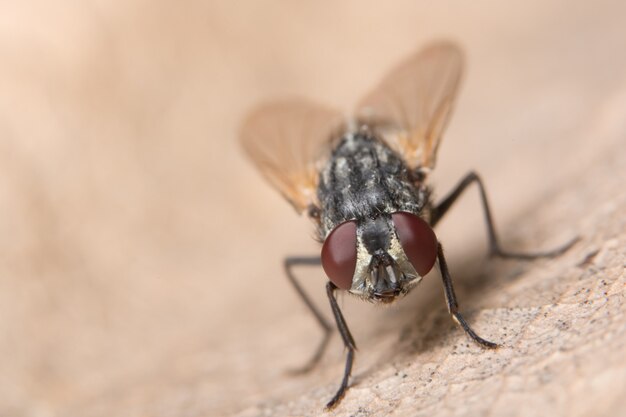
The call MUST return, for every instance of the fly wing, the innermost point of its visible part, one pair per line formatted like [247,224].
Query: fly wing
[287,140]
[411,106]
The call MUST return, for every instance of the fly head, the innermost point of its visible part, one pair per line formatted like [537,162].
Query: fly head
[380,258]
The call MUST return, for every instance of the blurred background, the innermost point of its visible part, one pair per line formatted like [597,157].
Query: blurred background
[140,253]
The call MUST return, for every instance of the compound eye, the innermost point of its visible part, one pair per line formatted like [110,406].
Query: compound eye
[418,241]
[339,255]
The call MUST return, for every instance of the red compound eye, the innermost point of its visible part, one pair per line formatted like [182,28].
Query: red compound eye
[418,241]
[339,255]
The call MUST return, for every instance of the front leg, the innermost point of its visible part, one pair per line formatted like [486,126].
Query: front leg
[453,305]
[494,246]
[348,342]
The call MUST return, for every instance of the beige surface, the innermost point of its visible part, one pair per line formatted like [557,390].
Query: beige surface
[140,254]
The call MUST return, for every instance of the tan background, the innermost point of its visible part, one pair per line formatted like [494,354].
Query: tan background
[140,254]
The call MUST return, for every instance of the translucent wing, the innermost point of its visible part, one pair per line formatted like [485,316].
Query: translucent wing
[287,140]
[411,106]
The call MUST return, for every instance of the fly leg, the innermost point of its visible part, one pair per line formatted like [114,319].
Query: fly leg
[494,245]
[453,306]
[319,352]
[348,342]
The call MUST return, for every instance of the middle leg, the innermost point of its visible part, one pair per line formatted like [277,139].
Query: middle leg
[289,263]
[494,245]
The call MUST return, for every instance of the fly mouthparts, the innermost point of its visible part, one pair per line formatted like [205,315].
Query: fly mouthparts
[385,277]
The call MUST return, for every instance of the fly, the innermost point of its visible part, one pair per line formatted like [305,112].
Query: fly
[363,183]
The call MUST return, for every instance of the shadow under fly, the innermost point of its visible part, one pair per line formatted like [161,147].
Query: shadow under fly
[363,183]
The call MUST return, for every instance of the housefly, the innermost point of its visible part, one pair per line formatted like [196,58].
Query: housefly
[363,182]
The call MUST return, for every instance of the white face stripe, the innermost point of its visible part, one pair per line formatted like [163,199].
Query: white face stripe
[392,274]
